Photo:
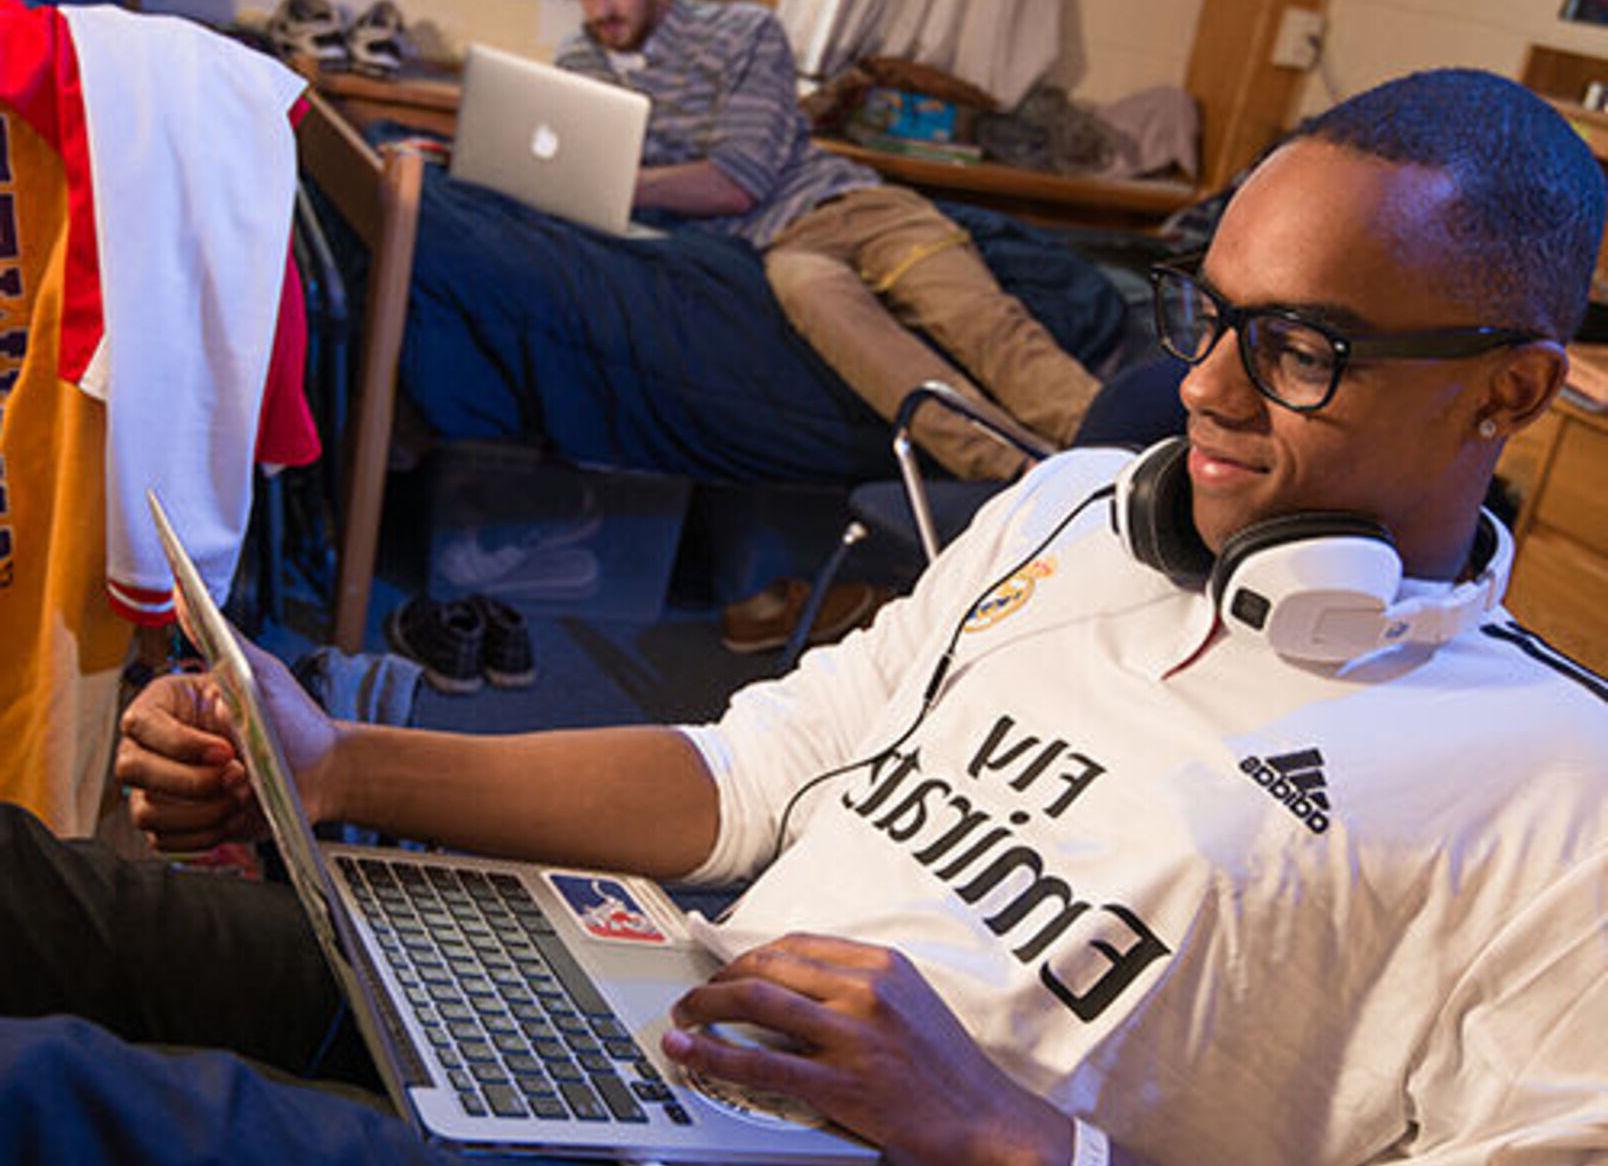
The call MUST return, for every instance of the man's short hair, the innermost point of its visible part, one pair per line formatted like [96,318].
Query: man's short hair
[1523,230]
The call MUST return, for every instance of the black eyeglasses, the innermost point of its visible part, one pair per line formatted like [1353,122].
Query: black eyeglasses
[1292,360]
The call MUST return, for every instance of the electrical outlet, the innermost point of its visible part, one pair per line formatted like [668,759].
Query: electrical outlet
[1299,40]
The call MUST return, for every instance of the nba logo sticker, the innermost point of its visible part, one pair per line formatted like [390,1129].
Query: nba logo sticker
[606,910]
[1009,596]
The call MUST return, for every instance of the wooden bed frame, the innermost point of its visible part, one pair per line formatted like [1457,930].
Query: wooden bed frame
[377,192]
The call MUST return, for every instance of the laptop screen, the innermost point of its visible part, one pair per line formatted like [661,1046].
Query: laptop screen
[270,776]
[561,143]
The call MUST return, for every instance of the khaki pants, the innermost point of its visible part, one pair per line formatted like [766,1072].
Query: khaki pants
[857,273]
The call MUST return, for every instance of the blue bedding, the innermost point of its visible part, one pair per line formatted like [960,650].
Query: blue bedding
[667,354]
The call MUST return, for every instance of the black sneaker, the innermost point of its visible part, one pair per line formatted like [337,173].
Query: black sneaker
[505,655]
[447,638]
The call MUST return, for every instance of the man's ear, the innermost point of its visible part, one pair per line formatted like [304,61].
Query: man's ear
[1524,385]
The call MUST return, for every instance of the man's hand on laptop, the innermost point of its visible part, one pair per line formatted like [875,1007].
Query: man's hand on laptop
[188,786]
[872,1047]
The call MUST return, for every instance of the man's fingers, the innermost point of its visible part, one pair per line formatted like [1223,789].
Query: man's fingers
[763,1068]
[812,965]
[167,814]
[771,1005]
[191,826]
[155,726]
[139,767]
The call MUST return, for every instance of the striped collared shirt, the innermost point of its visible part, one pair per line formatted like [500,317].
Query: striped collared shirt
[721,77]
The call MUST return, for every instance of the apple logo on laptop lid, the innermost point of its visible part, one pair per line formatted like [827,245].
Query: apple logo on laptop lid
[544,143]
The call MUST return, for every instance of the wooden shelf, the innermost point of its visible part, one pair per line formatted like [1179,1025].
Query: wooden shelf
[1033,194]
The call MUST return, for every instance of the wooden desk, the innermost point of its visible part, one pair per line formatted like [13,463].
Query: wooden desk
[1560,468]
[1053,199]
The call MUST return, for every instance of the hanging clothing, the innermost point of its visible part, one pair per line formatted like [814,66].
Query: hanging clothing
[112,224]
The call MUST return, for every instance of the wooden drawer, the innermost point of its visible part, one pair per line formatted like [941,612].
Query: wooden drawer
[1560,590]
[1574,499]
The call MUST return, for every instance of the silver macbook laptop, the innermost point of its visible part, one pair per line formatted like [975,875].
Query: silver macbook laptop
[510,1008]
[559,142]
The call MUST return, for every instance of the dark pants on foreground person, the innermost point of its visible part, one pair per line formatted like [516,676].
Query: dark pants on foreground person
[94,948]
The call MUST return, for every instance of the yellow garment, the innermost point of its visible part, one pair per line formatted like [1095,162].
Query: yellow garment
[64,646]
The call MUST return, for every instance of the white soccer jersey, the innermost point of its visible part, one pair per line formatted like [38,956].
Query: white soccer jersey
[1232,907]
[183,222]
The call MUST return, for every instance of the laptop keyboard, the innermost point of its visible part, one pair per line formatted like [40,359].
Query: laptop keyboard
[516,1025]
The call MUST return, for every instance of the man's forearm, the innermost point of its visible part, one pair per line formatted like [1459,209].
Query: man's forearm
[695,189]
[636,799]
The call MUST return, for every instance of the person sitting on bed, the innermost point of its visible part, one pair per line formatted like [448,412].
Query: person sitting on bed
[1252,873]
[855,264]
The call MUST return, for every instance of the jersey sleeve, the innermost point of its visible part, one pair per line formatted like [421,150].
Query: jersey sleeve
[777,735]
[194,166]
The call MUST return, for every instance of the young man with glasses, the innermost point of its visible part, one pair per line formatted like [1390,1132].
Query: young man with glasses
[1086,834]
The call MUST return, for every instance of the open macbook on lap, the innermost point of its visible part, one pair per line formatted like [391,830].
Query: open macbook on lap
[511,1008]
[564,144]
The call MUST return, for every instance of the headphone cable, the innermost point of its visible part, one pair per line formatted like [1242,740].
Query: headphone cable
[929,696]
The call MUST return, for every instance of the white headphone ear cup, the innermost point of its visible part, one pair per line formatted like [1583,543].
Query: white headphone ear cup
[1317,586]
[1154,514]
[1312,586]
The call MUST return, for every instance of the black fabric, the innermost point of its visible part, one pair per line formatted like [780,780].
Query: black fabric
[162,955]
[1137,407]
[99,952]
[667,354]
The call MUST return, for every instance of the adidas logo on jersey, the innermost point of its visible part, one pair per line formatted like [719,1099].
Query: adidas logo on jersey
[1295,780]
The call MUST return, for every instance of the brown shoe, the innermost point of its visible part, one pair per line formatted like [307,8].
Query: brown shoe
[767,618]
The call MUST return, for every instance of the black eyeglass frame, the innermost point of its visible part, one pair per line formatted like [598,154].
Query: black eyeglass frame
[1452,343]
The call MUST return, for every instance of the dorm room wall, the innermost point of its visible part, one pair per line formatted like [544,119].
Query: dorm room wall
[530,27]
[1108,50]
[1111,50]
[1371,40]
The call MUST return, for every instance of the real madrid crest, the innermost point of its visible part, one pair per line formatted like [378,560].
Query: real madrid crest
[1009,596]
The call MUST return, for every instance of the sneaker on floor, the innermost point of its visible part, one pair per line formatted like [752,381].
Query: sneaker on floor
[766,619]
[506,657]
[374,41]
[537,567]
[447,638]
[308,28]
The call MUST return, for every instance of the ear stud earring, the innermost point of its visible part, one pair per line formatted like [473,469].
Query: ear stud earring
[1487,429]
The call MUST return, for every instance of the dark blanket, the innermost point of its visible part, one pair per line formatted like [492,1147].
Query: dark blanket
[667,354]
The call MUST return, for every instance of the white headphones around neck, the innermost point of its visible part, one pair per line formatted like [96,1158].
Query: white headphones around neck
[1315,586]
